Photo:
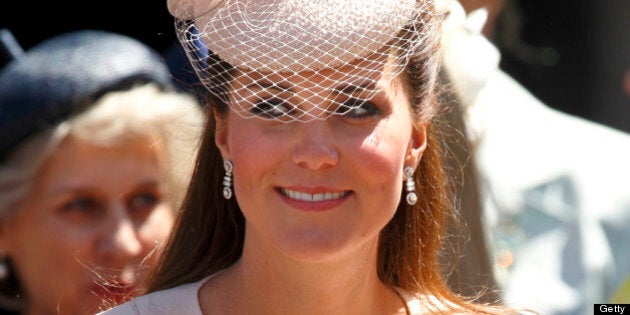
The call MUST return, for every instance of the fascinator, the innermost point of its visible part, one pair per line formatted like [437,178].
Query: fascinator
[337,46]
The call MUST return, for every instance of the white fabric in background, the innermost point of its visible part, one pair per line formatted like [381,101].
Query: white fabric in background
[555,187]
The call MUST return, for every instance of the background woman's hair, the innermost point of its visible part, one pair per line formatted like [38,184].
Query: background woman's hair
[174,119]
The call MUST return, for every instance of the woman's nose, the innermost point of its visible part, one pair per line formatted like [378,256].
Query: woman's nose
[315,146]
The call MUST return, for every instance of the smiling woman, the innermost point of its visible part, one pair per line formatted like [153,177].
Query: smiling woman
[93,170]
[320,186]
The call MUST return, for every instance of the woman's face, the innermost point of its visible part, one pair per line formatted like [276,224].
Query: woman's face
[322,189]
[93,214]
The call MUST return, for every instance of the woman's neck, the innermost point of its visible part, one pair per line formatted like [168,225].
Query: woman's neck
[276,284]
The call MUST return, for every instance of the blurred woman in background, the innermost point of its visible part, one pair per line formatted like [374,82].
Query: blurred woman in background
[96,150]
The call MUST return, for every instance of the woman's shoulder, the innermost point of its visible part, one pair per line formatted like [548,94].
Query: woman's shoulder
[181,300]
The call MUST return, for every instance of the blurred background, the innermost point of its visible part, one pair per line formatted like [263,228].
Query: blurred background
[573,55]
[146,20]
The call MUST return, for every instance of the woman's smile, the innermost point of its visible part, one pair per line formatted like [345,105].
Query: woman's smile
[313,199]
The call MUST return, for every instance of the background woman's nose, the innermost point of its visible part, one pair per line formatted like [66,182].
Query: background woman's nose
[119,239]
[315,147]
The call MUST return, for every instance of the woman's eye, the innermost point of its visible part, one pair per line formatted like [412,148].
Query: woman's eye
[271,108]
[355,108]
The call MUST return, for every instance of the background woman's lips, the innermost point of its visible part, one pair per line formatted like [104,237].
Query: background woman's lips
[114,292]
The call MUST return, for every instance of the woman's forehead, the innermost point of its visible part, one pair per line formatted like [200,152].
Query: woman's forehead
[363,75]
[311,97]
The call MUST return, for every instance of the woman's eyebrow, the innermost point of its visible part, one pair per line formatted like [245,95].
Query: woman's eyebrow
[351,88]
[346,88]
[265,85]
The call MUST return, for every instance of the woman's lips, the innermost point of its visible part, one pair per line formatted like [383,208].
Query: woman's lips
[313,199]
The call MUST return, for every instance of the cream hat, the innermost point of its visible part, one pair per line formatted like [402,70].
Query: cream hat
[295,36]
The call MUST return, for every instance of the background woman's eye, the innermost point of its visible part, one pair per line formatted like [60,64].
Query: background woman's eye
[82,204]
[271,108]
[356,108]
[143,201]
[80,209]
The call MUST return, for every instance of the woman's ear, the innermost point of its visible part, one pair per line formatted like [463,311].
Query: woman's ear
[417,145]
[221,135]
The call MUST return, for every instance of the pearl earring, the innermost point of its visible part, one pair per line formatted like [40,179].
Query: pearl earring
[227,179]
[411,197]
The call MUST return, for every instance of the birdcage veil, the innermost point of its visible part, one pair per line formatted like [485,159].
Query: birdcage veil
[253,54]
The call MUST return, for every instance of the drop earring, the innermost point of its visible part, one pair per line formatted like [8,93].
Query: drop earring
[227,179]
[411,197]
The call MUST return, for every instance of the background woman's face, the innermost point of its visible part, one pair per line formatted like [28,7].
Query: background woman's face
[325,188]
[93,211]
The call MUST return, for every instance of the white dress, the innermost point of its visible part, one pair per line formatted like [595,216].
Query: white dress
[181,300]
[184,300]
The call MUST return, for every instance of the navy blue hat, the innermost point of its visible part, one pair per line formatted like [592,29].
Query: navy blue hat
[62,75]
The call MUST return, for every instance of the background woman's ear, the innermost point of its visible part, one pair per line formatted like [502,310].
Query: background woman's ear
[4,241]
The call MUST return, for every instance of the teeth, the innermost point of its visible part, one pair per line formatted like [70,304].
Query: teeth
[302,196]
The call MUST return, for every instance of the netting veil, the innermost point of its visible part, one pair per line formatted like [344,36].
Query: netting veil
[299,60]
